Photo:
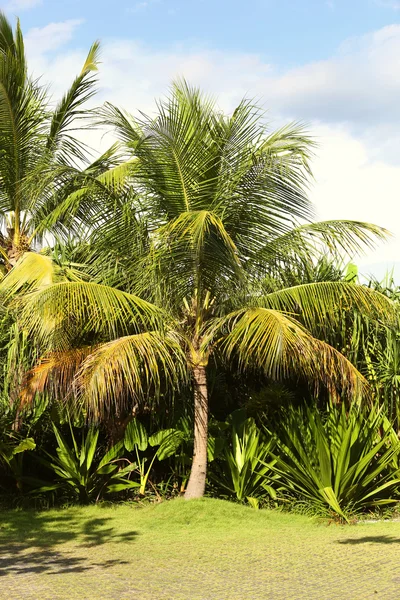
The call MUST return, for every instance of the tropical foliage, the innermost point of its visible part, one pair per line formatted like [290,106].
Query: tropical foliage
[246,463]
[76,471]
[209,237]
[180,274]
[40,152]
[341,461]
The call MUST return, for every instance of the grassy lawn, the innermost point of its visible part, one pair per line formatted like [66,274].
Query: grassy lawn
[207,549]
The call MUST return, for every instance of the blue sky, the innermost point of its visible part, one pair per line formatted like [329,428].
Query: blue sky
[285,32]
[333,64]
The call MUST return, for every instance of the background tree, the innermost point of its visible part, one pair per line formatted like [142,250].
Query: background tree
[44,168]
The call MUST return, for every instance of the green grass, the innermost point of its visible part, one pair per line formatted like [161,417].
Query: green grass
[208,549]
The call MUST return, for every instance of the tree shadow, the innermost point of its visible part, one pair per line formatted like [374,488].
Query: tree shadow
[374,539]
[31,542]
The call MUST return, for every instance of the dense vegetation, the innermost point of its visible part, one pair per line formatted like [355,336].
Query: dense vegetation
[171,305]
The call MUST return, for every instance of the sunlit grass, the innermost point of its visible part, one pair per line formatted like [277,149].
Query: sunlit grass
[192,550]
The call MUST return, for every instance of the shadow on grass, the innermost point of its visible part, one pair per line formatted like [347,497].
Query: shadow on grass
[372,539]
[32,543]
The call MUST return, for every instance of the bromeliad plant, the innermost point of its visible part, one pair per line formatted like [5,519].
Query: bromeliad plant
[339,463]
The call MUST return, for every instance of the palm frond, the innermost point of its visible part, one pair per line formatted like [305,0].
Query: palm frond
[262,190]
[323,301]
[192,159]
[64,311]
[22,120]
[307,242]
[32,271]
[12,44]
[293,145]
[89,197]
[197,244]
[54,374]
[276,343]
[130,368]
[70,108]
[122,123]
[116,178]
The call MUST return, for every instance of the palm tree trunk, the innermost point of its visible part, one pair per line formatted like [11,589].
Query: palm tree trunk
[197,479]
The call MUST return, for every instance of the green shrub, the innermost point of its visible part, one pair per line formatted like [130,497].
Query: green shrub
[137,440]
[245,465]
[342,462]
[12,449]
[79,471]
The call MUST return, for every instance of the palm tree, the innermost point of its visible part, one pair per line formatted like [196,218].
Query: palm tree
[45,175]
[217,206]
[44,168]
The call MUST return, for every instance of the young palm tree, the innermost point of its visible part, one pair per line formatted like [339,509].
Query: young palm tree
[217,206]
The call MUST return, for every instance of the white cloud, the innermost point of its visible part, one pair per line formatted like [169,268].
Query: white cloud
[138,7]
[349,184]
[40,40]
[351,102]
[21,5]
[230,76]
[359,85]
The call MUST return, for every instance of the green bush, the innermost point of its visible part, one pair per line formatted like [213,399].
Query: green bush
[245,465]
[137,440]
[340,462]
[81,473]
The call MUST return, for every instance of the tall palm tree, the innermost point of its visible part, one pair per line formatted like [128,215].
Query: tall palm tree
[45,175]
[217,205]
[44,168]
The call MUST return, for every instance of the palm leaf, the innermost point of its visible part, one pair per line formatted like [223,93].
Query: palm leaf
[54,373]
[22,121]
[129,368]
[323,301]
[276,343]
[32,271]
[308,241]
[57,312]
[94,200]
[196,243]
[70,108]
